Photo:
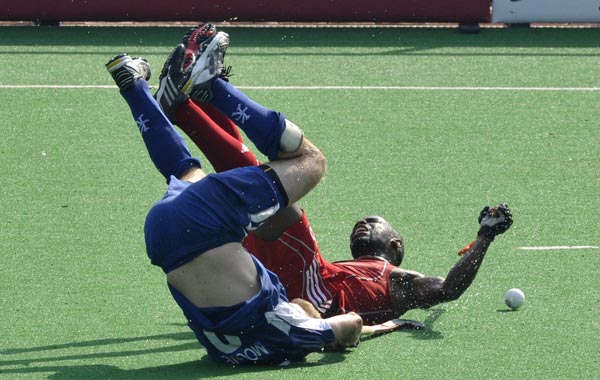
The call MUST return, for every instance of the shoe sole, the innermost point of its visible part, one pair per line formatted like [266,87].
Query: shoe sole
[189,84]
[190,41]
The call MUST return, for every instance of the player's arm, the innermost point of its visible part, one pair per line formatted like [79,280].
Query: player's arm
[424,292]
[347,328]
[435,290]
[278,223]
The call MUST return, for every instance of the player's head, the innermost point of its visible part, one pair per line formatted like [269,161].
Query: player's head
[375,236]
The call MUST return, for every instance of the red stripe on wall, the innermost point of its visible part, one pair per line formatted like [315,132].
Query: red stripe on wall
[462,11]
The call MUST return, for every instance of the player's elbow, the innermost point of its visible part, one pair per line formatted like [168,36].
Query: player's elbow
[452,294]
[317,159]
[314,163]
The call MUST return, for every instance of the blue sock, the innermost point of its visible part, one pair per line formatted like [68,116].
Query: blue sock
[262,125]
[167,148]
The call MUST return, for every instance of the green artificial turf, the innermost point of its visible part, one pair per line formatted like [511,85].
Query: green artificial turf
[81,301]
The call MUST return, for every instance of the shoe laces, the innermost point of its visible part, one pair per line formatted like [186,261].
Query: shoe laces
[226,73]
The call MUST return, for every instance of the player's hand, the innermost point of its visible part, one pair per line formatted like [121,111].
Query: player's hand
[494,220]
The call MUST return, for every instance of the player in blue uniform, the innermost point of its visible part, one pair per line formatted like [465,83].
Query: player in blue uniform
[237,309]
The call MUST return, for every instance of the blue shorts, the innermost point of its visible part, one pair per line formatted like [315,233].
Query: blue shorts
[221,208]
[264,329]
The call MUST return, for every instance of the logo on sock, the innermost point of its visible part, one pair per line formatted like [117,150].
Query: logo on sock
[141,123]
[240,115]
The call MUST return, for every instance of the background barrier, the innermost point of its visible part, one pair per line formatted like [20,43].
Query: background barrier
[528,11]
[461,11]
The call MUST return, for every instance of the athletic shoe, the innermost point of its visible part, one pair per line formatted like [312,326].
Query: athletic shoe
[177,67]
[171,79]
[126,71]
[207,67]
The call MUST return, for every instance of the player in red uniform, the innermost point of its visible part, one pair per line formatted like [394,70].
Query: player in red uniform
[361,285]
[372,285]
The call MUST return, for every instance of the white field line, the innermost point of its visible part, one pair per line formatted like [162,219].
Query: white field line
[422,88]
[559,247]
[392,88]
[59,86]
[374,88]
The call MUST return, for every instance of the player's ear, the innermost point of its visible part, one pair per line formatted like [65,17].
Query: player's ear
[397,244]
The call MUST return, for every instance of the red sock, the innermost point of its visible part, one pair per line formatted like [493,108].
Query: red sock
[222,121]
[220,146]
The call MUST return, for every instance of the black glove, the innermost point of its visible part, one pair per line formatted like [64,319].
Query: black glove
[494,220]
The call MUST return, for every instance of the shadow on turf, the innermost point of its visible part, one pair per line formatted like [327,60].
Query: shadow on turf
[428,332]
[197,369]
[189,344]
[98,342]
[202,368]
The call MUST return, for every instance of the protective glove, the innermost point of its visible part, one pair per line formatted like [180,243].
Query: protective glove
[494,220]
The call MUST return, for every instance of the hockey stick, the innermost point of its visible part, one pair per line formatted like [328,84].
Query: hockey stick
[368,332]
